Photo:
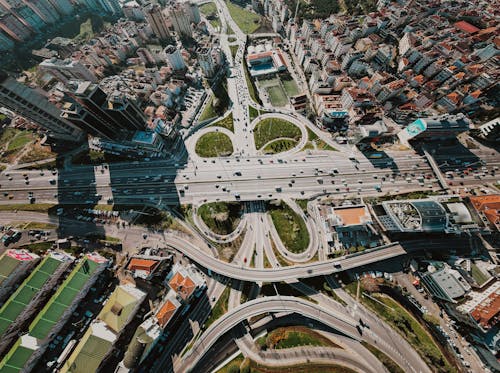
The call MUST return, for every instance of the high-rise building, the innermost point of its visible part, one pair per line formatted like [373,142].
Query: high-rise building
[174,58]
[29,17]
[157,20]
[192,11]
[66,70]
[91,109]
[64,7]
[44,9]
[180,20]
[14,27]
[6,43]
[206,61]
[110,6]
[34,106]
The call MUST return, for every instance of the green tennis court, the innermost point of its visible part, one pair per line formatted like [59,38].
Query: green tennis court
[77,281]
[55,311]
[50,265]
[16,361]
[4,324]
[41,329]
[25,295]
[12,310]
[67,295]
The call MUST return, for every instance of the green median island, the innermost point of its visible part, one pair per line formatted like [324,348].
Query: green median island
[290,227]
[221,217]
[276,135]
[214,144]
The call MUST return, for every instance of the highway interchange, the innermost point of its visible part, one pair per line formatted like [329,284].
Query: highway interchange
[254,178]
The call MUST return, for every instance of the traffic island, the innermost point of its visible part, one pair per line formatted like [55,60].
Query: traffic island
[214,144]
[221,217]
[276,134]
[291,227]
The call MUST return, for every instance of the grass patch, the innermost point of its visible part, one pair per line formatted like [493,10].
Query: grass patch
[36,207]
[294,336]
[478,275]
[271,128]
[281,260]
[279,146]
[38,248]
[208,111]
[315,143]
[219,309]
[267,264]
[410,329]
[221,217]
[234,50]
[19,141]
[8,134]
[391,366]
[253,113]
[35,225]
[214,144]
[291,227]
[209,10]
[290,87]
[302,204]
[227,122]
[277,96]
[252,91]
[247,21]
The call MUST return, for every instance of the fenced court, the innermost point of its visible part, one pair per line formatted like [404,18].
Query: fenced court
[26,292]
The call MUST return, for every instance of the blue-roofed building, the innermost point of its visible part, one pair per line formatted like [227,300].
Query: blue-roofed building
[445,126]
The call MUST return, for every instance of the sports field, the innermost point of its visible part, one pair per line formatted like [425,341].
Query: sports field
[26,292]
[62,299]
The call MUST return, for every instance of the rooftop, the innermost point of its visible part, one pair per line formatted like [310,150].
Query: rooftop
[352,215]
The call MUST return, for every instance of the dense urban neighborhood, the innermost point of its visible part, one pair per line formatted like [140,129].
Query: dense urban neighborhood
[249,186]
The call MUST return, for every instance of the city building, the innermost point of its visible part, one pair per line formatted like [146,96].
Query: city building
[411,216]
[104,331]
[150,332]
[490,130]
[35,107]
[68,69]
[174,58]
[14,27]
[109,116]
[180,20]
[489,208]
[157,20]
[264,59]
[445,283]
[143,268]
[445,126]
[29,347]
[187,282]
[192,12]
[207,61]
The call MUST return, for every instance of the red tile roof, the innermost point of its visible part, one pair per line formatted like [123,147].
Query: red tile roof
[142,264]
[466,27]
[487,311]
[165,313]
